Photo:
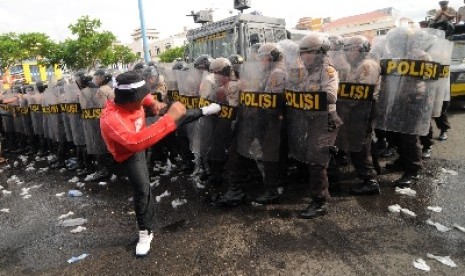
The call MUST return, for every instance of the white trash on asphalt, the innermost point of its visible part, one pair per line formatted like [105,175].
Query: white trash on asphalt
[458,227]
[450,172]
[442,259]
[30,169]
[70,213]
[394,208]
[178,202]
[5,210]
[74,180]
[102,183]
[408,212]
[6,192]
[165,194]
[12,180]
[421,264]
[113,178]
[439,227]
[43,170]
[78,258]
[1,187]
[27,196]
[74,193]
[199,185]
[72,222]
[89,177]
[62,170]
[24,191]
[174,179]
[436,209]
[78,229]
[80,184]
[16,164]
[60,194]
[405,191]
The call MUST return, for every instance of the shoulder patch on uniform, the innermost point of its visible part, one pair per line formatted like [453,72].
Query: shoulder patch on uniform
[331,71]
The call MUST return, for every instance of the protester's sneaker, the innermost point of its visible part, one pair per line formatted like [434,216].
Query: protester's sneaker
[442,136]
[143,245]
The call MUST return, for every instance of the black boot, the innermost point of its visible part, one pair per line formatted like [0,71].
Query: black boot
[233,197]
[270,196]
[316,208]
[368,187]
[407,179]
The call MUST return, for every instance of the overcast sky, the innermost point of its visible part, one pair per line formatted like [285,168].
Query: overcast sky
[169,16]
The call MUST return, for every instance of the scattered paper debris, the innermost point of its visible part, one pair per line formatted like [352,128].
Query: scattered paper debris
[113,178]
[436,209]
[70,213]
[16,164]
[460,228]
[80,185]
[178,202]
[394,208]
[131,213]
[199,185]
[6,192]
[89,177]
[13,180]
[256,204]
[60,194]
[405,191]
[78,258]
[74,193]
[24,191]
[131,199]
[43,170]
[174,179]
[72,222]
[62,170]
[442,259]
[5,210]
[74,180]
[450,172]
[1,187]
[408,212]
[27,196]
[421,264]
[102,183]
[30,169]
[78,229]
[439,227]
[164,194]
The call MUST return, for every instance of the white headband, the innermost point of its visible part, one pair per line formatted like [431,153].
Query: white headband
[130,86]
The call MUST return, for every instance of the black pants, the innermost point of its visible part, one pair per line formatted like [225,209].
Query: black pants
[446,26]
[408,146]
[363,161]
[442,122]
[427,140]
[144,201]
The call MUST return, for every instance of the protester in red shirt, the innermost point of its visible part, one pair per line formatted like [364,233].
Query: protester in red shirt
[125,133]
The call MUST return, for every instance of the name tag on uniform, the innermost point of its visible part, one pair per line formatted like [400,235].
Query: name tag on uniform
[226,112]
[355,91]
[260,100]
[410,68]
[312,101]
[91,113]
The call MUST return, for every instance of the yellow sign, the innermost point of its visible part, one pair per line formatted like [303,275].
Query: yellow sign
[227,112]
[55,109]
[190,102]
[170,94]
[91,113]
[355,91]
[411,68]
[210,37]
[444,71]
[35,107]
[315,101]
[260,100]
[72,108]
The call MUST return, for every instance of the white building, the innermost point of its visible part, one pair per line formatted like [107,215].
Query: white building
[137,44]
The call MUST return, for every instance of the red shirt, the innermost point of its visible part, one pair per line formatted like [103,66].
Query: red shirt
[125,132]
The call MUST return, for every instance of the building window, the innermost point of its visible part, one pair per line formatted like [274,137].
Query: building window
[382,32]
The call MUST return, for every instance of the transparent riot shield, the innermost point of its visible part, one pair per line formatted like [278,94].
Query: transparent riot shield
[16,111]
[261,112]
[407,97]
[35,107]
[216,132]
[354,100]
[171,84]
[7,117]
[73,112]
[91,107]
[25,114]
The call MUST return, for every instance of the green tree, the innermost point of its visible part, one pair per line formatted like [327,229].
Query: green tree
[171,54]
[9,49]
[118,54]
[90,46]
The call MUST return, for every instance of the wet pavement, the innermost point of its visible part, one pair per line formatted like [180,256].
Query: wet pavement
[359,236]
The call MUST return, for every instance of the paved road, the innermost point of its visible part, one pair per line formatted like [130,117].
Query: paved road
[358,236]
